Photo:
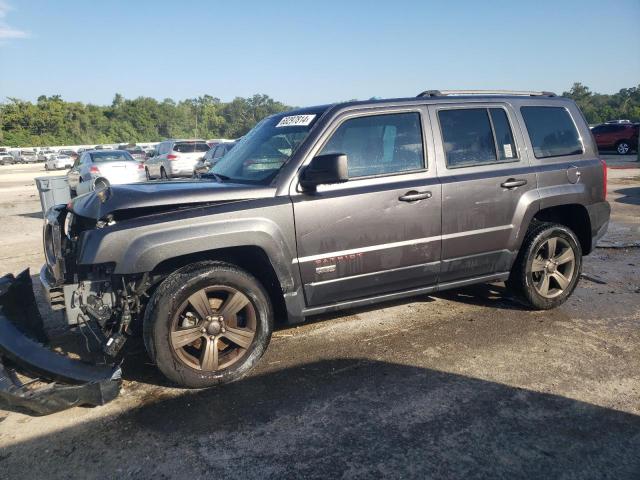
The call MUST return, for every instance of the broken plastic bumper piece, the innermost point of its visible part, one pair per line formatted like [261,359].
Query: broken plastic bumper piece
[53,382]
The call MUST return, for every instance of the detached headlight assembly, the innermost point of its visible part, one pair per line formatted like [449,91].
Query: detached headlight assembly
[68,223]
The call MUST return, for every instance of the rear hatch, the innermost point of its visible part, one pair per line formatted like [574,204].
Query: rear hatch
[119,172]
[187,154]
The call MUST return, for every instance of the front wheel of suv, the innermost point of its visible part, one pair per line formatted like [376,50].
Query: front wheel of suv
[623,147]
[208,324]
[548,266]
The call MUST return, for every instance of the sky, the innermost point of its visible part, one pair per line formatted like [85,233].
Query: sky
[311,52]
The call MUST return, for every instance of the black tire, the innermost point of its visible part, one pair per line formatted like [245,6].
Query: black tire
[146,172]
[522,283]
[163,174]
[623,147]
[173,292]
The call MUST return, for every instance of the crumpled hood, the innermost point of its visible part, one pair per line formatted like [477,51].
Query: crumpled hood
[156,195]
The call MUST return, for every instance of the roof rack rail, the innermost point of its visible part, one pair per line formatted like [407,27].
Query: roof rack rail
[445,93]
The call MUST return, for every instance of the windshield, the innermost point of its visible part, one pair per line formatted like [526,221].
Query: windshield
[262,152]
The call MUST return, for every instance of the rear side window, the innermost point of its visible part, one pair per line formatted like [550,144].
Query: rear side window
[552,131]
[190,147]
[379,144]
[504,138]
[476,136]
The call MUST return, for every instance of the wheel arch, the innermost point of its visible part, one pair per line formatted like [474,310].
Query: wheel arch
[573,216]
[251,258]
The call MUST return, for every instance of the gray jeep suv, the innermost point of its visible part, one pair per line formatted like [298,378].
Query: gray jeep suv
[316,210]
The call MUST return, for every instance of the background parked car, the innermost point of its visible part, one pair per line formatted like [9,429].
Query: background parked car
[70,153]
[622,137]
[117,166]
[212,157]
[58,162]
[25,156]
[138,153]
[6,159]
[617,121]
[175,158]
[46,154]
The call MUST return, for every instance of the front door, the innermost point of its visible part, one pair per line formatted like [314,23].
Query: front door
[486,184]
[380,231]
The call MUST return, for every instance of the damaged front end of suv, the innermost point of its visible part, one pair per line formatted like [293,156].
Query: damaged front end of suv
[101,284]
[35,378]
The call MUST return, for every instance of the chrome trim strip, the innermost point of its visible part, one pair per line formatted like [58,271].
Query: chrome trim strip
[476,232]
[404,243]
[371,248]
[377,272]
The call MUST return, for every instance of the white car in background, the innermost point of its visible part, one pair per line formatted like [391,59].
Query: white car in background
[175,158]
[117,166]
[58,162]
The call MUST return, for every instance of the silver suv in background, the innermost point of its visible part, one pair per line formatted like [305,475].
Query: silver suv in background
[25,156]
[175,158]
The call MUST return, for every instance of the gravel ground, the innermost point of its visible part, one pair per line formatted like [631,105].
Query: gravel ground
[463,384]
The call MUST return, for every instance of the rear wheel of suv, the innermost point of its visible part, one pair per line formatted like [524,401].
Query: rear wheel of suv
[146,173]
[163,174]
[548,266]
[208,324]
[623,147]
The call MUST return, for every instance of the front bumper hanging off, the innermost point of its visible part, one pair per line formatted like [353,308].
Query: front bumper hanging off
[62,382]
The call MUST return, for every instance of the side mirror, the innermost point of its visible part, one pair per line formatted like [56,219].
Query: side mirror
[324,170]
[152,153]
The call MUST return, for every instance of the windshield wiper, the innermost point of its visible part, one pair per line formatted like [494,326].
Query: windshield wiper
[218,177]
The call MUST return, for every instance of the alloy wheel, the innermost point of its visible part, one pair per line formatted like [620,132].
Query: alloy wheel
[623,148]
[553,267]
[214,328]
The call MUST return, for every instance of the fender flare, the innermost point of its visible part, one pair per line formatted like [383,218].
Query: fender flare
[145,248]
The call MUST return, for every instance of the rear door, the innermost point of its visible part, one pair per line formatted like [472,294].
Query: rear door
[486,182]
[380,231]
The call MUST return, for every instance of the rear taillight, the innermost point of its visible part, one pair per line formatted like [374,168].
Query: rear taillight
[171,156]
[604,179]
[94,169]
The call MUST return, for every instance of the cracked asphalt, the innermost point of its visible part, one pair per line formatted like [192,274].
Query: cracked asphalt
[462,384]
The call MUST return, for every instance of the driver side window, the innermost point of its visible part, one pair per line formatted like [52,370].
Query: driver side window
[379,144]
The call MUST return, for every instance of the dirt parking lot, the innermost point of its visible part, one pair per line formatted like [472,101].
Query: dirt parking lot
[463,384]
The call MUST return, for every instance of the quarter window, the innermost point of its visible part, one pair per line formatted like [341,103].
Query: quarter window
[552,131]
[504,138]
[379,144]
[476,136]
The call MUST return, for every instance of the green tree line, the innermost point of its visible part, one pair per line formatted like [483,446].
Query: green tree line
[53,121]
[599,108]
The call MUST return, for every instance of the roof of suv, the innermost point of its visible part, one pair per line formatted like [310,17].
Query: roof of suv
[431,96]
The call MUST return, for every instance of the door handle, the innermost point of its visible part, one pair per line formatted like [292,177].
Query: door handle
[513,183]
[414,196]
